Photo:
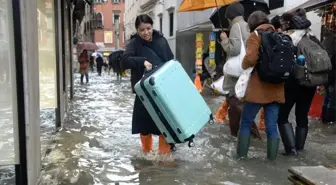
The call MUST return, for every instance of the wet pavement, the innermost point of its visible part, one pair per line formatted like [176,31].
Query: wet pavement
[96,147]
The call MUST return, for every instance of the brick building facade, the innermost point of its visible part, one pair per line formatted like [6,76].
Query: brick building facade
[108,22]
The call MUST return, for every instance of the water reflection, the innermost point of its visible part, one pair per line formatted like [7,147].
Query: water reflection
[7,86]
[47,68]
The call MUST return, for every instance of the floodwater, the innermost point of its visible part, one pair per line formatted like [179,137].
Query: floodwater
[95,147]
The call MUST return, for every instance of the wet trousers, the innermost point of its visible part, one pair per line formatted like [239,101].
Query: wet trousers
[329,107]
[147,144]
[301,97]
[92,67]
[223,112]
[250,110]
[99,70]
[86,76]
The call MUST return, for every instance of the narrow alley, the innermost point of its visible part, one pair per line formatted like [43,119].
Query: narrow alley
[95,147]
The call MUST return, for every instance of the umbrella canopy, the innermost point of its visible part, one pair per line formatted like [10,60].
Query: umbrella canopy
[198,5]
[218,16]
[87,45]
[96,54]
[115,55]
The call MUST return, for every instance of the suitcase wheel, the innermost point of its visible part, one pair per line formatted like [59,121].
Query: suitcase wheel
[211,121]
[152,81]
[173,147]
[191,144]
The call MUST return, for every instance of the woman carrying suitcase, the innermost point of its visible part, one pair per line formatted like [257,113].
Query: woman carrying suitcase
[145,50]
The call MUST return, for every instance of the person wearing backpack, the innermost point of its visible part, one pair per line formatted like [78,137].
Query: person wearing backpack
[311,70]
[328,108]
[259,93]
[232,46]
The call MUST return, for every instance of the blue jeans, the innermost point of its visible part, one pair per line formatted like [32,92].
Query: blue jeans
[250,110]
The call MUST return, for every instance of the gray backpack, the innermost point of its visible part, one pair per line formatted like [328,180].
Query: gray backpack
[317,63]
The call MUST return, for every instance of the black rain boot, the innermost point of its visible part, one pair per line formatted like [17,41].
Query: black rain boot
[243,146]
[288,138]
[324,115]
[272,148]
[300,139]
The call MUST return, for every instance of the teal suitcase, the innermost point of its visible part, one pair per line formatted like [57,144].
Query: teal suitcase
[172,100]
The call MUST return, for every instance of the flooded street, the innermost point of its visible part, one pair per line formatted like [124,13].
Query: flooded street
[96,147]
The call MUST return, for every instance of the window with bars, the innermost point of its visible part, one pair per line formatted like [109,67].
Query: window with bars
[116,18]
[97,21]
[116,1]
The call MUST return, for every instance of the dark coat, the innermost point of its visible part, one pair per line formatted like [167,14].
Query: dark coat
[100,62]
[137,52]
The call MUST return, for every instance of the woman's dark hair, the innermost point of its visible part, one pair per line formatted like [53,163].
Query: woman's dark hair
[256,19]
[143,19]
[300,12]
[276,22]
[296,19]
[288,16]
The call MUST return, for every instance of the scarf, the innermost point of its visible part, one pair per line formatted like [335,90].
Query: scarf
[297,35]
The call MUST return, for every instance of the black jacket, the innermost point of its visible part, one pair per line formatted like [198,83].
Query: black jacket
[138,51]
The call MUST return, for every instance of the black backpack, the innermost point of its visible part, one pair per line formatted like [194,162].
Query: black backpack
[277,57]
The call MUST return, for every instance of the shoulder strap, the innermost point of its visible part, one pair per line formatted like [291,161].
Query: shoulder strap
[240,32]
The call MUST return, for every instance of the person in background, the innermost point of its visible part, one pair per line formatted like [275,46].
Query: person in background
[329,107]
[259,93]
[92,63]
[231,45]
[205,73]
[146,49]
[84,66]
[295,94]
[99,63]
[276,23]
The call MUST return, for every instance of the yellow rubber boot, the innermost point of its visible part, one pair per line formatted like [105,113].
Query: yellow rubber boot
[164,147]
[146,142]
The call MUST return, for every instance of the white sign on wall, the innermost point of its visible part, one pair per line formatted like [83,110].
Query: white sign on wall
[108,37]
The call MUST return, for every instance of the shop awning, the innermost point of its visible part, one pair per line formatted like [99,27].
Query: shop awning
[313,4]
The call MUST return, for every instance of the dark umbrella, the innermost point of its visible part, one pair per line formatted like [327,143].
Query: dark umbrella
[218,16]
[114,60]
[116,54]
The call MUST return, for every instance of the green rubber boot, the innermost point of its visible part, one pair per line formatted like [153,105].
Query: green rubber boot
[272,148]
[243,146]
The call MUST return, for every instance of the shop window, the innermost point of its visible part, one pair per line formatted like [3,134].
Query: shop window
[171,24]
[274,4]
[98,20]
